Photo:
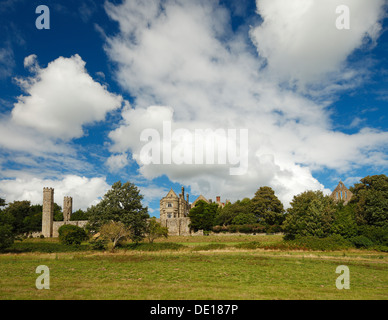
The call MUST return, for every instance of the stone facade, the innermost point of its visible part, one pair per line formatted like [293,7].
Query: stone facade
[174,211]
[341,193]
[48,212]
[67,208]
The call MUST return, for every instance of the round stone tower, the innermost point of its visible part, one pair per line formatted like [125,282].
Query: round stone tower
[48,212]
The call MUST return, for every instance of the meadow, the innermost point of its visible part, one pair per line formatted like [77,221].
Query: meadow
[192,268]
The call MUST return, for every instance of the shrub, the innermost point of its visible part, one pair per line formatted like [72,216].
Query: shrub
[69,234]
[98,244]
[333,242]
[210,246]
[153,246]
[361,242]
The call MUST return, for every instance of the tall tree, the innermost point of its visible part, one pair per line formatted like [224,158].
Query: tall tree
[122,203]
[267,207]
[202,216]
[370,198]
[311,214]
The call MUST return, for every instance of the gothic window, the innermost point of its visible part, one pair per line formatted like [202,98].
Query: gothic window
[169,216]
[169,205]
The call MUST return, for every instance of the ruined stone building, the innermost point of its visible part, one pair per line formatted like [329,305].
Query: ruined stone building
[341,193]
[49,226]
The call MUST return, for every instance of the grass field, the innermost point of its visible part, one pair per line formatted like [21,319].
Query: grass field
[198,269]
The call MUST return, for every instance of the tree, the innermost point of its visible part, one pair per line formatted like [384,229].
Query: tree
[6,236]
[122,203]
[239,213]
[344,222]
[58,214]
[2,202]
[79,215]
[202,216]
[155,230]
[370,198]
[311,214]
[114,232]
[267,207]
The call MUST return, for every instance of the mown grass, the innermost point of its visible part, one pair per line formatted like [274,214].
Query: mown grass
[227,267]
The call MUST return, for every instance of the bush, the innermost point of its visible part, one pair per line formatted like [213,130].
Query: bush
[98,244]
[378,235]
[6,236]
[153,246]
[69,234]
[245,228]
[210,246]
[334,242]
[362,242]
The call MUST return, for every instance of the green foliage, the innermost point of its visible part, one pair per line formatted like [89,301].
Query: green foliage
[2,202]
[45,247]
[344,222]
[267,207]
[122,203]
[58,214]
[330,243]
[202,216]
[153,246]
[378,235]
[210,246]
[244,218]
[370,198]
[361,242]
[98,244]
[239,212]
[72,235]
[155,230]
[23,217]
[79,215]
[247,228]
[114,232]
[6,236]
[311,214]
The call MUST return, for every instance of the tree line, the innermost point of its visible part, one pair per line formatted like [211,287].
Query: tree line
[311,214]
[121,215]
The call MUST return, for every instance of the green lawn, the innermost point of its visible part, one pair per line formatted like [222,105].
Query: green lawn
[229,273]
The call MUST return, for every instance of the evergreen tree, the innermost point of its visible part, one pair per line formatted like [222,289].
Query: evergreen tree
[267,207]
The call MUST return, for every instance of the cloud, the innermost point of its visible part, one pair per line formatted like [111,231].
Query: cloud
[182,63]
[84,191]
[301,43]
[7,62]
[61,99]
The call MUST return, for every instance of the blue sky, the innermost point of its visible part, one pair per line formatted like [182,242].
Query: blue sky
[75,99]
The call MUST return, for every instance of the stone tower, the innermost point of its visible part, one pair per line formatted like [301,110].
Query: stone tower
[67,208]
[48,212]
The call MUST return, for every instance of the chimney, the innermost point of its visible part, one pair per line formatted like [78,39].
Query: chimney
[218,199]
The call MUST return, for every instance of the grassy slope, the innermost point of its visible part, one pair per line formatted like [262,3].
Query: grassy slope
[187,274]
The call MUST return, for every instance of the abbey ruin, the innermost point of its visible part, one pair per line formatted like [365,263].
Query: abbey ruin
[174,210]
[49,226]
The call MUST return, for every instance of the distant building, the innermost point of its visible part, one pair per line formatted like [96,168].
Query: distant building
[341,193]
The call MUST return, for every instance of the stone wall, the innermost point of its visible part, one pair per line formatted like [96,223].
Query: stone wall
[58,224]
